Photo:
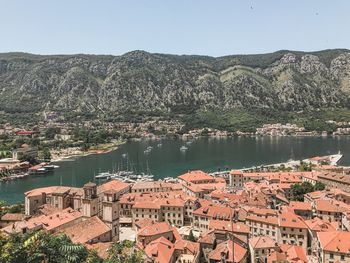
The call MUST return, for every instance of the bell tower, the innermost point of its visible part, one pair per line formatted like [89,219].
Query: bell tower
[110,213]
[90,200]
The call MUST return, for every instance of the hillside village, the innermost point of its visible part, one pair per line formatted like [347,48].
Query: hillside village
[236,217]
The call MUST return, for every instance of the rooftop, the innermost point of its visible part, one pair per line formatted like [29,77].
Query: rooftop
[335,241]
[262,242]
[195,176]
[155,229]
[78,233]
[226,248]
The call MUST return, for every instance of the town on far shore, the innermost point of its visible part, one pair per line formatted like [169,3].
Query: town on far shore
[297,212]
[34,148]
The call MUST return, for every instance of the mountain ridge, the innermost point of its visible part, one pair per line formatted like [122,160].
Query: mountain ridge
[142,81]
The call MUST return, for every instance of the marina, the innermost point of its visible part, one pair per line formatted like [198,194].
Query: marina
[167,161]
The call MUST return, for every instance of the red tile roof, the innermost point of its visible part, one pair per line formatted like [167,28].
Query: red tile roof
[12,217]
[335,241]
[114,185]
[182,245]
[141,223]
[195,176]
[78,233]
[288,219]
[215,212]
[303,206]
[318,225]
[55,220]
[294,253]
[160,250]
[332,206]
[229,226]
[226,248]
[155,229]
[271,220]
[262,242]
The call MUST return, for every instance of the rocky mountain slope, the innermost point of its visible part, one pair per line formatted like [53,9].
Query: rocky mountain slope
[140,81]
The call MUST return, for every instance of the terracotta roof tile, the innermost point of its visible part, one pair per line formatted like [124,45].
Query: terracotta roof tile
[160,250]
[155,229]
[195,176]
[335,241]
[262,242]
[78,233]
[226,248]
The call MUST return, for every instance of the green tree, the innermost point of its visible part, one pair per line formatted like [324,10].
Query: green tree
[28,158]
[319,186]
[124,252]
[43,247]
[304,167]
[46,154]
[299,190]
[191,237]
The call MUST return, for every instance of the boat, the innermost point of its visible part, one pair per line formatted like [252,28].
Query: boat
[159,145]
[124,155]
[183,148]
[50,167]
[147,151]
[170,180]
[104,175]
[124,173]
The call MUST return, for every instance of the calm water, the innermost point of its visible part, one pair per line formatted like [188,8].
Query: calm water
[209,154]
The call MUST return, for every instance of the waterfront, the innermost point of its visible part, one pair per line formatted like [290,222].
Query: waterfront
[208,154]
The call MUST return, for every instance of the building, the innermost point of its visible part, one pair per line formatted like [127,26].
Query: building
[154,187]
[236,179]
[196,177]
[288,254]
[303,209]
[57,196]
[63,196]
[152,232]
[263,226]
[206,213]
[333,246]
[329,210]
[292,230]
[160,250]
[260,247]
[229,252]
[89,231]
[51,223]
[335,180]
[10,218]
[315,226]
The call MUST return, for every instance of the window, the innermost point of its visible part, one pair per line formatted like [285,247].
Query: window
[331,256]
[342,257]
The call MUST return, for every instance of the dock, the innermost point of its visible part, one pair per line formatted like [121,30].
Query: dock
[332,159]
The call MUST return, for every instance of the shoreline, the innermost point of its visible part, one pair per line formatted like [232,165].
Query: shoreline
[100,149]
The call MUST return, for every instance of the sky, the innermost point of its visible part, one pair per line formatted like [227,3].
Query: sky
[202,27]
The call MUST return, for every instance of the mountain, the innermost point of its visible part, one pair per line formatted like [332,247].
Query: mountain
[141,81]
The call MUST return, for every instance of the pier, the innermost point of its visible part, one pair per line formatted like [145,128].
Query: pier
[331,159]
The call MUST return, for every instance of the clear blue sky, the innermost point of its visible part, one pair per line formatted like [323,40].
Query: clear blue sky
[216,27]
